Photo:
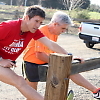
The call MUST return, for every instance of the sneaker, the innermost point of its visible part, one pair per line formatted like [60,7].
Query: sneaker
[97,94]
[70,95]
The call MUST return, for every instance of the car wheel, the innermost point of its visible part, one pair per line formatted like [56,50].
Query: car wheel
[89,44]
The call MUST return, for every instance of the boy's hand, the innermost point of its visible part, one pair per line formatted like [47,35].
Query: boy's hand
[7,63]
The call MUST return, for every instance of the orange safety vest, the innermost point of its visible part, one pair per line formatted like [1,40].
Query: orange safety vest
[35,46]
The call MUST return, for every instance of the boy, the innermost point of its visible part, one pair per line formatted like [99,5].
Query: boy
[14,37]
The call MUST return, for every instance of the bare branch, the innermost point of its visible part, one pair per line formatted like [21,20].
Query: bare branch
[72,4]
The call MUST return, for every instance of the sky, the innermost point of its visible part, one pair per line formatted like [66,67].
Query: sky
[97,2]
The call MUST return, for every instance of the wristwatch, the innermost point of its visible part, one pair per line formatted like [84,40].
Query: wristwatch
[70,54]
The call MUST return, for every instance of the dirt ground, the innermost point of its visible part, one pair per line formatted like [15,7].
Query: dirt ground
[74,45]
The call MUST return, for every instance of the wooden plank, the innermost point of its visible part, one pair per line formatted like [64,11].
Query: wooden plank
[57,77]
[90,64]
[86,20]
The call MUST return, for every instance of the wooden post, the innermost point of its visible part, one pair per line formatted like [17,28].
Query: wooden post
[57,77]
[16,14]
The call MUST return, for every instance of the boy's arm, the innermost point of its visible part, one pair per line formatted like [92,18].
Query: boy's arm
[55,47]
[52,45]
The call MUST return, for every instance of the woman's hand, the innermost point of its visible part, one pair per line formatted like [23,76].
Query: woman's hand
[81,60]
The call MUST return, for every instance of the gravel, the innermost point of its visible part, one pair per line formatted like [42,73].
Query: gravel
[74,45]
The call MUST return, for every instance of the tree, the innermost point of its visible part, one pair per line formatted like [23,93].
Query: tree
[86,4]
[94,8]
[73,4]
[55,4]
[18,2]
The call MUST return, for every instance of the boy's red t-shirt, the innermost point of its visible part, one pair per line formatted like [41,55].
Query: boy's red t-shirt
[12,43]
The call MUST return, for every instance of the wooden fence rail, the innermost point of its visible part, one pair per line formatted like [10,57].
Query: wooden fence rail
[77,67]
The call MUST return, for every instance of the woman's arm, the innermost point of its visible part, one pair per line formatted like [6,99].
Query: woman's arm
[42,56]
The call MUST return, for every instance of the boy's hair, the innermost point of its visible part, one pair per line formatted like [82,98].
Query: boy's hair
[34,11]
[61,18]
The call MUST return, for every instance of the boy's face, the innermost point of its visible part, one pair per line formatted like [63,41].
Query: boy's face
[34,23]
[60,28]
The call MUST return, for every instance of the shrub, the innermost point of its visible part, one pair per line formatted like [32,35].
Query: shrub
[84,14]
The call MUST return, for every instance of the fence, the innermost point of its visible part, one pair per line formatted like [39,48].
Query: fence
[57,73]
[17,14]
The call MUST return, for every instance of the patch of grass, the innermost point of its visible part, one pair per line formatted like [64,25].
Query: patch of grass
[94,15]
